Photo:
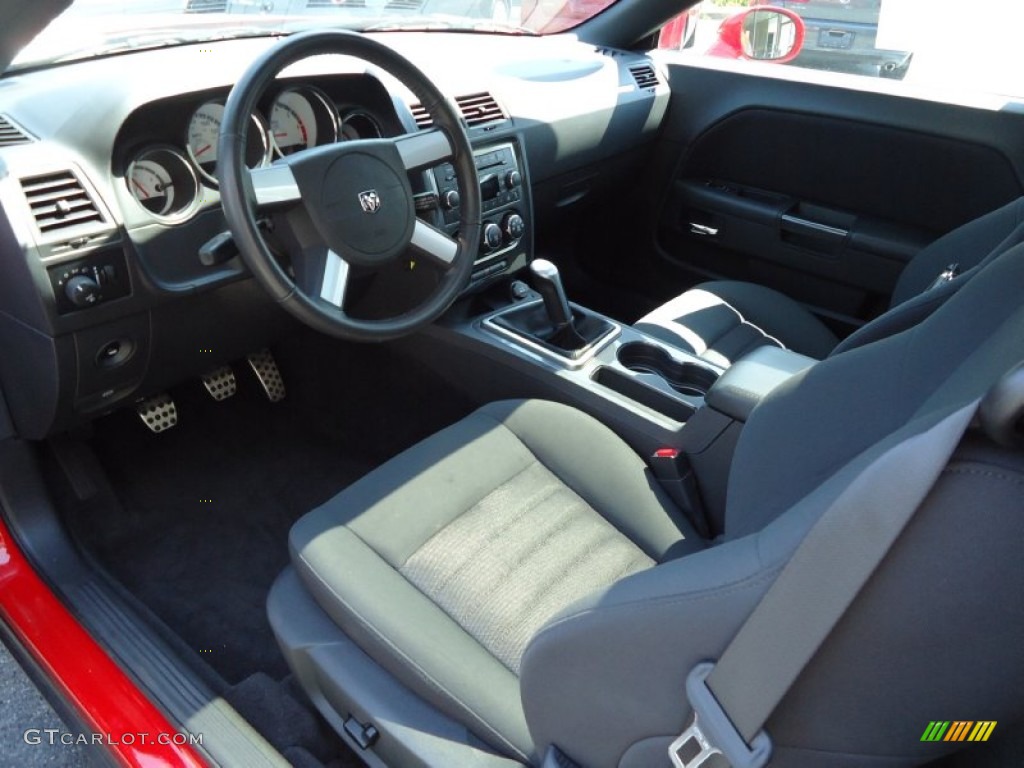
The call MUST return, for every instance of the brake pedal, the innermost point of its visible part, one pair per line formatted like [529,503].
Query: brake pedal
[158,413]
[266,370]
[220,383]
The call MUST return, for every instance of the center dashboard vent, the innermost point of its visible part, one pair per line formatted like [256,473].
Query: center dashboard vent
[11,135]
[644,75]
[59,201]
[476,108]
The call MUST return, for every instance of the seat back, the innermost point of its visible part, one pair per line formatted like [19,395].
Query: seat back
[971,248]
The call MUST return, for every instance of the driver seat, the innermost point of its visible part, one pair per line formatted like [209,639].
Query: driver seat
[519,581]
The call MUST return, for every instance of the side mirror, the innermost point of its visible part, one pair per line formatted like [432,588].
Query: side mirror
[761,34]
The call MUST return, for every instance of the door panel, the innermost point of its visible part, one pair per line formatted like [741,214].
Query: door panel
[822,192]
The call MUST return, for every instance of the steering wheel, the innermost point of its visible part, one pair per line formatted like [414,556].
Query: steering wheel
[349,204]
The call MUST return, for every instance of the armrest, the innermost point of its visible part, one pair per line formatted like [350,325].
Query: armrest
[751,378]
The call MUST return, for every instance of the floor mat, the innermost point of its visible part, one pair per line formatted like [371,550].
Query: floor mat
[196,520]
[200,529]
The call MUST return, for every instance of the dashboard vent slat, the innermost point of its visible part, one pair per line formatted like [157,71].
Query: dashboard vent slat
[206,6]
[11,135]
[644,75]
[58,200]
[479,108]
[421,116]
[476,108]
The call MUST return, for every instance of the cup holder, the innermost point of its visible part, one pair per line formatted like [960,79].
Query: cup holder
[685,378]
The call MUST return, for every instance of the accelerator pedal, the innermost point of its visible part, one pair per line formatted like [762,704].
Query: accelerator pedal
[220,383]
[158,413]
[266,370]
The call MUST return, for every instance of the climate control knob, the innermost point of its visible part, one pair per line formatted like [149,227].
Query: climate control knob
[513,226]
[83,291]
[491,237]
[450,200]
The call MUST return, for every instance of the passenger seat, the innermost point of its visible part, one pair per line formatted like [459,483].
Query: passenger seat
[722,320]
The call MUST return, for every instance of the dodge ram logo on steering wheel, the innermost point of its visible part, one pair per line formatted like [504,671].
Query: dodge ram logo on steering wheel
[370,201]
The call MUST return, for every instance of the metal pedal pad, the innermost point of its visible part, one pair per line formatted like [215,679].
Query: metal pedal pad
[220,383]
[158,413]
[266,370]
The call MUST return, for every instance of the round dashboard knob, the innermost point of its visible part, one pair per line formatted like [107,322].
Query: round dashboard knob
[491,237]
[450,199]
[83,291]
[513,179]
[513,226]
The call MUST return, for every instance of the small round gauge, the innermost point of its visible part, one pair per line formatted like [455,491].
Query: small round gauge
[162,181]
[301,118]
[204,132]
[360,125]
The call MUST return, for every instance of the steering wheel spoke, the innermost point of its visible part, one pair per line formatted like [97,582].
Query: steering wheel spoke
[274,185]
[434,245]
[424,149]
[335,280]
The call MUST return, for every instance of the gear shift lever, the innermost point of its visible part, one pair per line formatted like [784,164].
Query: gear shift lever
[548,283]
[554,327]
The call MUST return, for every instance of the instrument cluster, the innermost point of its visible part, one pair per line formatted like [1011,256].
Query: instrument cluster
[167,179]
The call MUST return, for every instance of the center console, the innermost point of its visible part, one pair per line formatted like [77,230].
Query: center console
[681,412]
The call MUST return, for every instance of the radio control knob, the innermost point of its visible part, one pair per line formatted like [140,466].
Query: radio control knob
[513,179]
[491,238]
[83,291]
[513,226]
[450,200]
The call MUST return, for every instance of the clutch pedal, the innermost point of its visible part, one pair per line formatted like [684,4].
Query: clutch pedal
[220,383]
[158,413]
[266,370]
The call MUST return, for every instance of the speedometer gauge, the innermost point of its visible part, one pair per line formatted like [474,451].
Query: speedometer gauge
[301,118]
[162,181]
[204,132]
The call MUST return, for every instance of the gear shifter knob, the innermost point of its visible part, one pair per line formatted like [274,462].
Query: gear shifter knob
[548,283]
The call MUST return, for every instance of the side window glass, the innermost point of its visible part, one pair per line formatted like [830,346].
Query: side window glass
[940,45]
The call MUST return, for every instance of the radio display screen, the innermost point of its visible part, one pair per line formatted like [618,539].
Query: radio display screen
[490,187]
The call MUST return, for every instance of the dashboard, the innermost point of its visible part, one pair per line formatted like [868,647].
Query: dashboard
[110,199]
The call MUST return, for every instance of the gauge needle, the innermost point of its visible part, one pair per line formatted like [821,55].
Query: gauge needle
[141,188]
[204,149]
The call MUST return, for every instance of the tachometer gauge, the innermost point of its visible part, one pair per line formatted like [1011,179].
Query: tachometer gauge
[301,118]
[360,125]
[162,181]
[204,132]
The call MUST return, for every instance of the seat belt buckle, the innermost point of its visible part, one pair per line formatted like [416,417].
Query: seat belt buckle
[712,733]
[674,473]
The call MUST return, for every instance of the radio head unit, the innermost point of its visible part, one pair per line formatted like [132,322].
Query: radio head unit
[505,234]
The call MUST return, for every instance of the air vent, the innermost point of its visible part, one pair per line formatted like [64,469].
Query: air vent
[206,6]
[421,116]
[10,134]
[476,108]
[404,5]
[58,201]
[479,108]
[645,76]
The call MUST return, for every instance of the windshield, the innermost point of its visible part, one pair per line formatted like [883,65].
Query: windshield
[101,27]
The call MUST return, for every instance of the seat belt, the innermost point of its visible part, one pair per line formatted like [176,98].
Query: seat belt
[733,698]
